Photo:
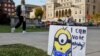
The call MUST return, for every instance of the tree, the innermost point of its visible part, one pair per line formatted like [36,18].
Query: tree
[4,19]
[96,18]
[39,13]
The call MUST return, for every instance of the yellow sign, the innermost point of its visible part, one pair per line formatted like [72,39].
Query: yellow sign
[62,43]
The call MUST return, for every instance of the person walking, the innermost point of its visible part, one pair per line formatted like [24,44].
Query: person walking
[21,13]
[70,21]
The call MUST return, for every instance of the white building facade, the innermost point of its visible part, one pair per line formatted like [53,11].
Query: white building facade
[80,10]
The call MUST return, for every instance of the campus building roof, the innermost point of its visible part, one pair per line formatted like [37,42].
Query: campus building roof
[2,1]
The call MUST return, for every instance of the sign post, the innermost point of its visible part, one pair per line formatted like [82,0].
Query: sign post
[67,41]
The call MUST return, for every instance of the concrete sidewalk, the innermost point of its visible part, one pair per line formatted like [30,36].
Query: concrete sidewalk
[40,40]
[37,39]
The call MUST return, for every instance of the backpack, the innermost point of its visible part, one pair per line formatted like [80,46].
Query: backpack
[18,10]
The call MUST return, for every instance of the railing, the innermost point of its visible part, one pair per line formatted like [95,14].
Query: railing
[14,21]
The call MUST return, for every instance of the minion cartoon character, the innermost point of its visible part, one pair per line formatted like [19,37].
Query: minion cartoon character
[62,43]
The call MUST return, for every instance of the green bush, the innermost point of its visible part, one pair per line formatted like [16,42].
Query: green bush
[90,24]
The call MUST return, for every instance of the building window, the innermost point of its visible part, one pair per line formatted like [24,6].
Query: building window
[67,4]
[12,5]
[75,12]
[87,0]
[8,0]
[9,13]
[69,12]
[83,19]
[61,1]
[9,10]
[64,4]
[48,15]
[63,13]
[75,20]
[87,12]
[51,15]
[79,20]
[49,6]
[56,13]
[88,8]
[77,1]
[59,13]
[64,0]
[9,5]
[80,11]
[5,9]
[5,5]
[94,7]
[94,1]
[12,10]
[66,12]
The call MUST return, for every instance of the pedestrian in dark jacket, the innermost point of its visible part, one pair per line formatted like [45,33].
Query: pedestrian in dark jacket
[20,11]
[70,21]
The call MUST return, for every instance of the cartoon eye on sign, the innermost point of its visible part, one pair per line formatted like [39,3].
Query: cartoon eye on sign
[62,43]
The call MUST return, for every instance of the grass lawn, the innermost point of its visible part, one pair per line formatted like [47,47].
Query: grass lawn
[7,29]
[20,50]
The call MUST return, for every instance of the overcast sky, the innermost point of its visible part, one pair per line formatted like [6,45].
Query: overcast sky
[34,2]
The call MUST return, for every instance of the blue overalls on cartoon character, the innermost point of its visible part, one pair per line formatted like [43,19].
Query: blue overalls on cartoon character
[57,53]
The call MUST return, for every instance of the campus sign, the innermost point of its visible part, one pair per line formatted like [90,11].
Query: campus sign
[67,41]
